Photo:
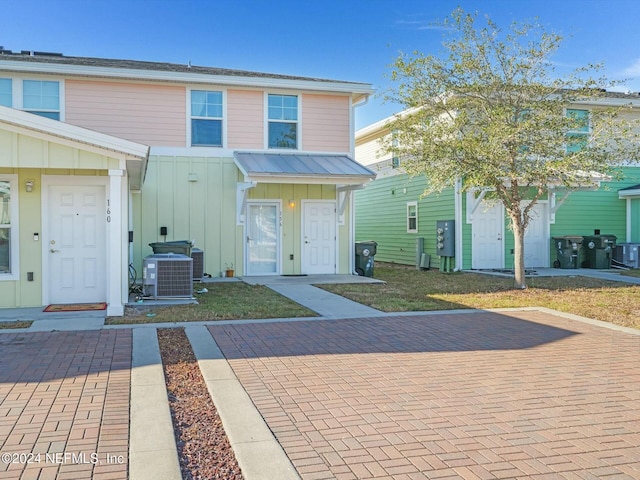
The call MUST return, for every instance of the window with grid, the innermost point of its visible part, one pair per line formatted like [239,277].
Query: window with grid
[206,118]
[283,121]
[412,217]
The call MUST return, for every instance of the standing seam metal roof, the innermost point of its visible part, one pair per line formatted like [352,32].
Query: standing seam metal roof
[284,164]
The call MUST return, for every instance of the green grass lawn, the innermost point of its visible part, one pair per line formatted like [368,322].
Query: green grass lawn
[408,289]
[18,324]
[224,301]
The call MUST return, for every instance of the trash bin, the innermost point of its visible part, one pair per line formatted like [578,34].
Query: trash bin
[598,250]
[567,251]
[365,251]
[177,246]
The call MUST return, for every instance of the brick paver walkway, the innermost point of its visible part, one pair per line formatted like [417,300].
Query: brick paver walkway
[486,395]
[64,405]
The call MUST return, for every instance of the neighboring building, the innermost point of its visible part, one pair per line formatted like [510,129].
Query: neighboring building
[255,168]
[392,211]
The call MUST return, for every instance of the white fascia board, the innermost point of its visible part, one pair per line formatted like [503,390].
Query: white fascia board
[59,129]
[629,193]
[182,77]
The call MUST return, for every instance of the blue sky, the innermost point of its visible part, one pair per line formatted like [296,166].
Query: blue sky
[353,40]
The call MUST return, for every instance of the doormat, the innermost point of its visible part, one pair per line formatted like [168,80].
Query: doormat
[75,307]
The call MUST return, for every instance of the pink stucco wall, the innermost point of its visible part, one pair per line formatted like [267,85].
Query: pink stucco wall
[144,113]
[325,123]
[245,119]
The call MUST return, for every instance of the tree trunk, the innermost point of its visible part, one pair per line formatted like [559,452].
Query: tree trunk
[518,251]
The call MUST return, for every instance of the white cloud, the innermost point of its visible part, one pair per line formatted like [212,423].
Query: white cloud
[633,70]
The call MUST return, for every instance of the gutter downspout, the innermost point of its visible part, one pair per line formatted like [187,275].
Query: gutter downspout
[352,198]
[458,230]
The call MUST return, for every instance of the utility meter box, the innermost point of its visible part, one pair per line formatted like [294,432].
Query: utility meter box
[445,238]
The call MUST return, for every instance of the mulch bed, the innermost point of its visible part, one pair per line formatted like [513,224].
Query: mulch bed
[203,447]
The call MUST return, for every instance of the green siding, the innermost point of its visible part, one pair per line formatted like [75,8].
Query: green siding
[381,215]
[585,211]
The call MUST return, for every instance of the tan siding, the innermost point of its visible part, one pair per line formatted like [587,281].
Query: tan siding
[148,114]
[245,119]
[325,123]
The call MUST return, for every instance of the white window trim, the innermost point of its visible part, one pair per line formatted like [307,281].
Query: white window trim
[578,132]
[17,90]
[15,230]
[223,119]
[298,122]
[412,204]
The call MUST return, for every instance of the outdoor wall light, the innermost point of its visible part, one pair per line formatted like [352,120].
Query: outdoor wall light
[292,203]
[28,185]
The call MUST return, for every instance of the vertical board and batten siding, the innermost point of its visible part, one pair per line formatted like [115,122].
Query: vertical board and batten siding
[291,230]
[31,158]
[203,210]
[325,123]
[245,119]
[381,215]
[144,113]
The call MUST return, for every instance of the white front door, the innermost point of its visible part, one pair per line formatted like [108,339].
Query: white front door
[263,238]
[76,244]
[487,248]
[536,239]
[319,237]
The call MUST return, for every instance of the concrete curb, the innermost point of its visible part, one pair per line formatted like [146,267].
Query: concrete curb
[153,454]
[259,454]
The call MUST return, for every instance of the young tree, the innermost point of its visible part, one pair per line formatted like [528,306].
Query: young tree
[493,113]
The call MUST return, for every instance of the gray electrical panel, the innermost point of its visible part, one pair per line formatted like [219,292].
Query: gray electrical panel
[445,238]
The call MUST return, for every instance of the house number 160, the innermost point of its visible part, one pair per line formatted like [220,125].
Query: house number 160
[108,211]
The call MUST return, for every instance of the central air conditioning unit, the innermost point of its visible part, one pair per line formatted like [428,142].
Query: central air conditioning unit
[167,275]
[198,263]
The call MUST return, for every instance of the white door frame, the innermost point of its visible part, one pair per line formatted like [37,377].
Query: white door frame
[303,204]
[270,202]
[501,225]
[72,181]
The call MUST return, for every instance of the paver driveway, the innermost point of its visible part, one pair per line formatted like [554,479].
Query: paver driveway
[64,405]
[478,395]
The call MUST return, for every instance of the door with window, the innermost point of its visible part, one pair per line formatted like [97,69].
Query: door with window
[319,237]
[76,244]
[487,248]
[263,238]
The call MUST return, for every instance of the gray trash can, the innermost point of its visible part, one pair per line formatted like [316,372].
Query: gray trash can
[598,250]
[567,251]
[365,251]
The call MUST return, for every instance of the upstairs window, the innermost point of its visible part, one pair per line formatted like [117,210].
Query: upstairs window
[41,98]
[412,217]
[283,121]
[578,136]
[206,118]
[6,97]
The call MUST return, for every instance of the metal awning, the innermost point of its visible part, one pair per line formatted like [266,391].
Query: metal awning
[266,167]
